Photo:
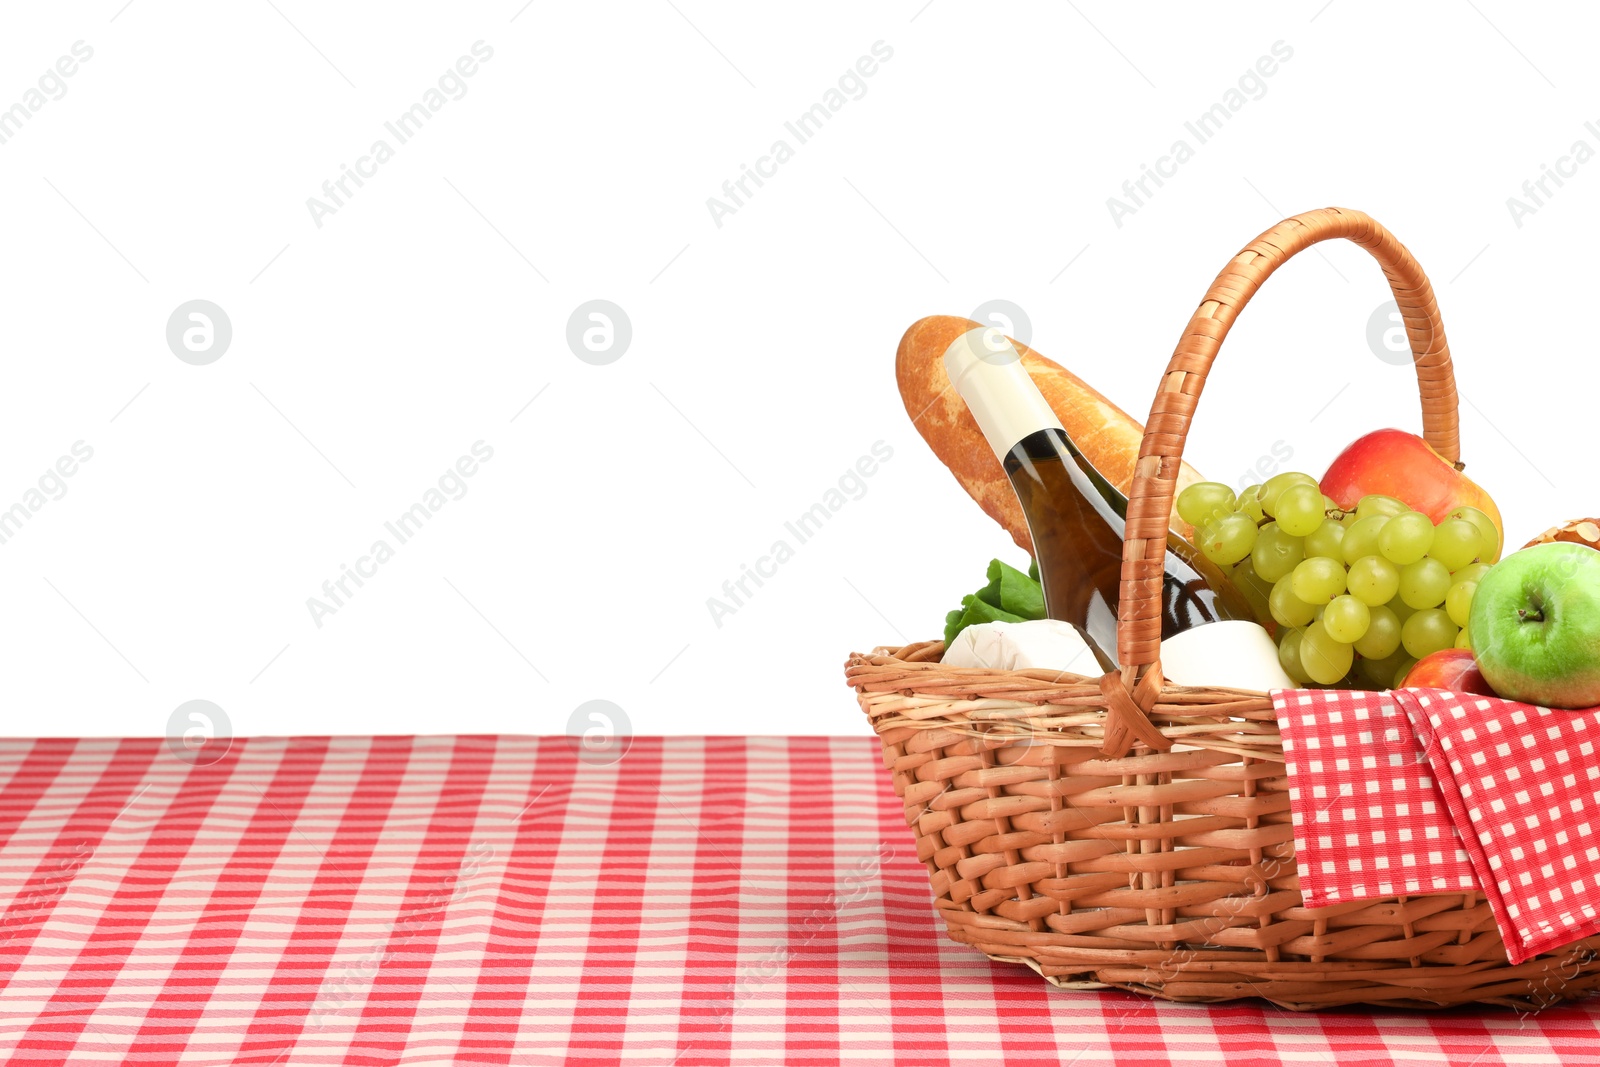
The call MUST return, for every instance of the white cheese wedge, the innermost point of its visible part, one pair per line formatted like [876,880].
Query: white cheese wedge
[1014,646]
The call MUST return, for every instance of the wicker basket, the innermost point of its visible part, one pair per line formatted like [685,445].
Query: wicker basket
[1122,832]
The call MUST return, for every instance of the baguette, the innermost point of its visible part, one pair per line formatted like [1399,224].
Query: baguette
[1108,436]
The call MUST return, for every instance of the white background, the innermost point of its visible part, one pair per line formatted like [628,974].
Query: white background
[368,354]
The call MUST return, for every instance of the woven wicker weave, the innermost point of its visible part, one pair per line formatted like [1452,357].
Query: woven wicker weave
[1118,831]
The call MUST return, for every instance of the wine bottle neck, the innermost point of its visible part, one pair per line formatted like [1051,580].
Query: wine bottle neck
[987,371]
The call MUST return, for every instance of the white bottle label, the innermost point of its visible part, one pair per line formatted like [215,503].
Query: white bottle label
[987,371]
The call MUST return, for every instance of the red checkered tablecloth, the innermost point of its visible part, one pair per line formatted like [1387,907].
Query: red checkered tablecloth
[497,900]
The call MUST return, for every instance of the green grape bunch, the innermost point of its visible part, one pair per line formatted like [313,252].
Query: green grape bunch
[1356,595]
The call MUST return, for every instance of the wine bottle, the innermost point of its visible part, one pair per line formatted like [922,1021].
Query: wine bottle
[1076,519]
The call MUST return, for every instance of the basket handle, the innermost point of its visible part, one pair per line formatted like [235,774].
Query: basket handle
[1161,451]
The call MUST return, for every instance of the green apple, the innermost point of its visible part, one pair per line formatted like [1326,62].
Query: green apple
[1535,624]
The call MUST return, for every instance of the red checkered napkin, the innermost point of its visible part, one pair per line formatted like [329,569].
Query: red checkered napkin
[1523,786]
[1369,820]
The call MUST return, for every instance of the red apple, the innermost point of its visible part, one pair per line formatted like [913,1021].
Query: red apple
[1399,464]
[1449,668]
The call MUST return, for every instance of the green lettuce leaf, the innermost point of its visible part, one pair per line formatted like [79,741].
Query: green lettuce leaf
[1011,590]
[974,610]
[1009,596]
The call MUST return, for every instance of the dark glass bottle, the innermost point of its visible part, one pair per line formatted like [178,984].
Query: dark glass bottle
[1075,516]
[1076,519]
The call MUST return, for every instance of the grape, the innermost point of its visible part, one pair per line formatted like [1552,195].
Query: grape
[1299,510]
[1456,543]
[1229,539]
[1274,486]
[1406,538]
[1346,618]
[1254,589]
[1458,601]
[1201,502]
[1378,504]
[1326,540]
[1349,518]
[1428,631]
[1486,526]
[1324,659]
[1373,580]
[1317,580]
[1249,503]
[1464,640]
[1380,672]
[1288,609]
[1472,572]
[1362,538]
[1401,609]
[1276,553]
[1424,583]
[1400,674]
[1382,639]
[1289,656]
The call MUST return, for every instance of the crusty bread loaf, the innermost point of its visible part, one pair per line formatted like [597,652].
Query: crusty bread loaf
[1578,532]
[1107,435]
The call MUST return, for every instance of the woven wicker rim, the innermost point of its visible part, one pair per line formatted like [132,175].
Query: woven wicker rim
[1155,476]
